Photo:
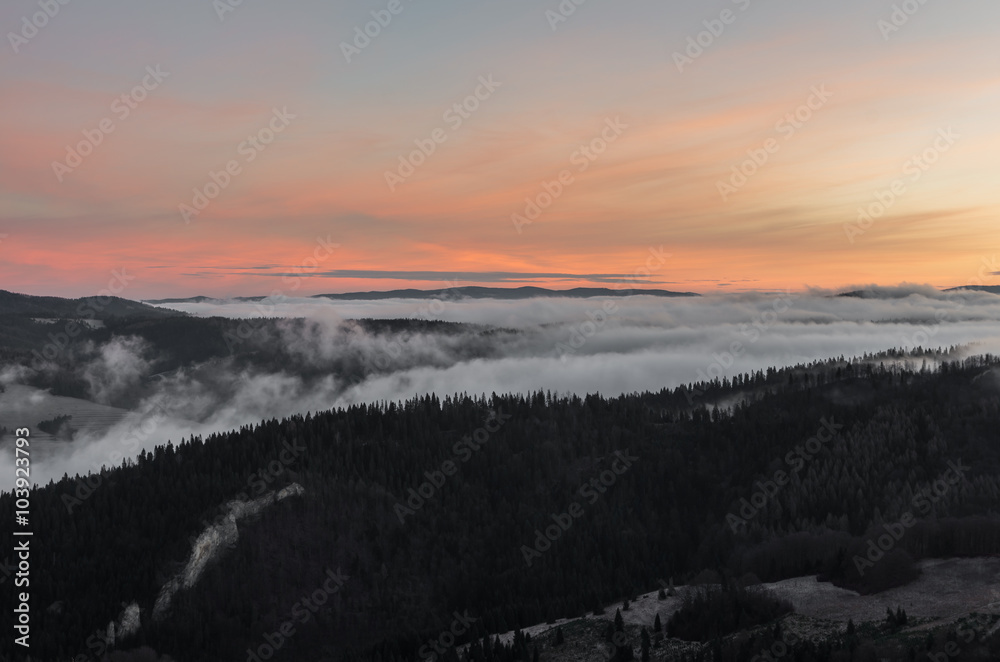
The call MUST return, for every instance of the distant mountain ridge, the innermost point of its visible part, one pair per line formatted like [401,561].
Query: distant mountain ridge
[992,289]
[96,307]
[875,292]
[527,292]
[40,306]
[470,292]
[197,299]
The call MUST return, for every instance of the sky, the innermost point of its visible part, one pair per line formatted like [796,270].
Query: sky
[201,147]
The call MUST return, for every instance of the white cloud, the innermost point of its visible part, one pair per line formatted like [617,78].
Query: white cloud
[622,345]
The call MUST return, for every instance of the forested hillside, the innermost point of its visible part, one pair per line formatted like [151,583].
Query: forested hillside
[638,488]
[61,339]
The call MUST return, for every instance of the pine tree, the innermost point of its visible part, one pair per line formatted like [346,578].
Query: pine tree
[624,653]
[645,645]
[657,625]
[850,627]
[560,638]
[619,621]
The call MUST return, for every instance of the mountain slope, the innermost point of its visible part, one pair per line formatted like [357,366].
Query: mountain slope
[96,307]
[468,292]
[473,292]
[992,289]
[420,539]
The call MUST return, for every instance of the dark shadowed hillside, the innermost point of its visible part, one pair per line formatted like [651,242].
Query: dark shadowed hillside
[651,484]
[96,307]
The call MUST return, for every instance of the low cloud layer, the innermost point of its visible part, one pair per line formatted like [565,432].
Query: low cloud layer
[607,346]
[121,363]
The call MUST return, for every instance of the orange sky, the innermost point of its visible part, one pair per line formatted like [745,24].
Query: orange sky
[664,182]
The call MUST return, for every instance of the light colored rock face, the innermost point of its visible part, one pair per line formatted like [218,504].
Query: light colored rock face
[214,540]
[208,546]
[126,625]
[128,622]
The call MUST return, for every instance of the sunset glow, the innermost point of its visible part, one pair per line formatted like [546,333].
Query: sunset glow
[644,111]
